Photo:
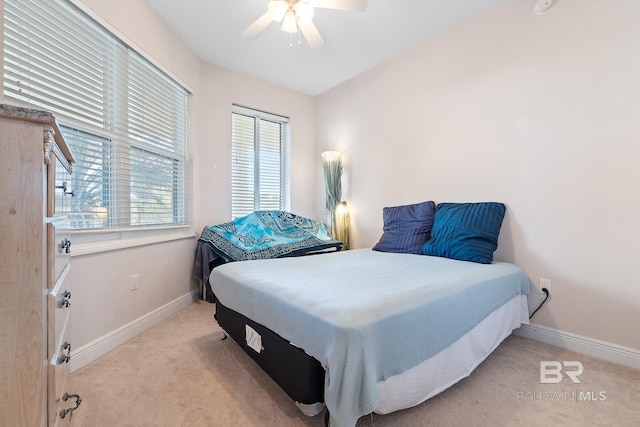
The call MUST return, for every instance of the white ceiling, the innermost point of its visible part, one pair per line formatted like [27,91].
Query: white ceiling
[355,41]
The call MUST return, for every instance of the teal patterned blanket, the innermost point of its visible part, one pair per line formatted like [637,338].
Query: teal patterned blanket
[268,234]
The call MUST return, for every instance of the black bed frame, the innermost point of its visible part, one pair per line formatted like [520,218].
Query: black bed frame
[298,374]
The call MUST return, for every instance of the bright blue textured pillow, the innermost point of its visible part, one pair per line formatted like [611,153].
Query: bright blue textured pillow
[406,228]
[466,231]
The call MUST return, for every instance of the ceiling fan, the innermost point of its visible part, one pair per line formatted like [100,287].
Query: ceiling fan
[297,14]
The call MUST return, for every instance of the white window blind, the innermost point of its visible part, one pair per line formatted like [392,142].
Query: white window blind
[127,122]
[260,166]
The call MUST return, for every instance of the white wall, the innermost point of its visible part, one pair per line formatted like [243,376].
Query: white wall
[539,112]
[102,300]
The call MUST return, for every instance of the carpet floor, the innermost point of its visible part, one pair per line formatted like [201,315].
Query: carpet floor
[180,373]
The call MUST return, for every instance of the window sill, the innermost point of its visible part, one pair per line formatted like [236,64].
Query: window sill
[86,242]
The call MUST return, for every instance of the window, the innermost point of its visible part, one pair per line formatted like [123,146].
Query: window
[260,166]
[126,121]
[89,206]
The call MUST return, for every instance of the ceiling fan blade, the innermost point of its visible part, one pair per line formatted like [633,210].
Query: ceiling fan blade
[354,5]
[259,25]
[311,33]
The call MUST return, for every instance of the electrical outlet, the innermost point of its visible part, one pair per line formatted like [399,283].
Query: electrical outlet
[545,283]
[134,282]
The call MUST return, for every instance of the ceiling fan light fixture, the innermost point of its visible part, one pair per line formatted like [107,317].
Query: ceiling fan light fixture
[304,11]
[297,18]
[277,9]
[289,24]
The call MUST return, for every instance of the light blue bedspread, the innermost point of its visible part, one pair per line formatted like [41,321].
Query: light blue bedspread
[366,315]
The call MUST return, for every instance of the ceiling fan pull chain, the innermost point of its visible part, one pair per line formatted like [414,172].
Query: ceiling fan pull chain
[299,42]
[290,41]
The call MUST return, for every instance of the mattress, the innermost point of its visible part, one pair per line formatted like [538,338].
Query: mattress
[366,316]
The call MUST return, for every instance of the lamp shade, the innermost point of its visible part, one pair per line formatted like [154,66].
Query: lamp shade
[277,9]
[337,209]
[289,24]
[332,163]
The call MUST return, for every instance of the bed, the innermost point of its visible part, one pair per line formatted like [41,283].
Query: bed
[366,331]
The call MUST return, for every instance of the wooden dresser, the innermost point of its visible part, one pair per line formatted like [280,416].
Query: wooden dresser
[35,293]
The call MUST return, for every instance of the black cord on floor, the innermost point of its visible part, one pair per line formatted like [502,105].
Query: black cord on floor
[546,291]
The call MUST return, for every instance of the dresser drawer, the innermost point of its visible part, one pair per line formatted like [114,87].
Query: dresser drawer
[61,401]
[59,366]
[58,310]
[59,249]
[58,372]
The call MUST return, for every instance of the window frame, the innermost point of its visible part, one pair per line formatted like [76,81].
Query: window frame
[259,117]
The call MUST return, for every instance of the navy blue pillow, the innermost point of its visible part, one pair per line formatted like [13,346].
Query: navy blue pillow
[466,231]
[406,228]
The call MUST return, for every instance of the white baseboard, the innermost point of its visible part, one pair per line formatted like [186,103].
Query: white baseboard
[591,347]
[101,346]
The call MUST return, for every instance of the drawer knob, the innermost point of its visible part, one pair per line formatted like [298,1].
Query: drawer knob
[65,301]
[66,355]
[65,245]
[63,187]
[67,411]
